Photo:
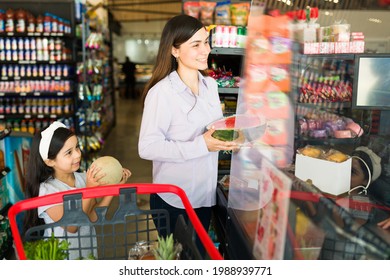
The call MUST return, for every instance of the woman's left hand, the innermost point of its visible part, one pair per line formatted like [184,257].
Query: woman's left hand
[215,145]
[126,173]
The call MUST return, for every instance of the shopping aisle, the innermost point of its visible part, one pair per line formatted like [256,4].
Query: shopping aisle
[122,142]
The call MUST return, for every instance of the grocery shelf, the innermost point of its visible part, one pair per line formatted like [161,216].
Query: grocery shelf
[228,90]
[228,51]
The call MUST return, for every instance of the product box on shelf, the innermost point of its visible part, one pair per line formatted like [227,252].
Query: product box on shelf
[333,47]
[330,177]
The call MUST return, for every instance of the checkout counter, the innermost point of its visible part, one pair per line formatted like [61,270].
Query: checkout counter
[295,220]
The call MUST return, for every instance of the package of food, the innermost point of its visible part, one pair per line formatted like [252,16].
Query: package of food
[191,9]
[335,156]
[311,151]
[206,12]
[222,13]
[240,13]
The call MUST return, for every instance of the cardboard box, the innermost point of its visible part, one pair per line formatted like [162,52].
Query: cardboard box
[330,177]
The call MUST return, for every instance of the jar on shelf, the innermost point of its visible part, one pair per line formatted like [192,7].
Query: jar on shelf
[21,18]
[47,23]
[9,21]
[31,23]
[39,24]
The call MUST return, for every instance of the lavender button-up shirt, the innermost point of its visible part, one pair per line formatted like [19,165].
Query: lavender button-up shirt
[173,122]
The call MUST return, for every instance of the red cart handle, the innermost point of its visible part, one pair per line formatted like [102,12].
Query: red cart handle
[109,190]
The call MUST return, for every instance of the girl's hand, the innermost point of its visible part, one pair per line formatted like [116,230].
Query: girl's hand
[215,145]
[94,176]
[126,173]
[385,224]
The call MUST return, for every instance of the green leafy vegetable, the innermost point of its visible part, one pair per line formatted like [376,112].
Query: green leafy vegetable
[46,249]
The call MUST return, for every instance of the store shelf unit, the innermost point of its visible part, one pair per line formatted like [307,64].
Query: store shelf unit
[323,86]
[96,116]
[37,51]
[229,59]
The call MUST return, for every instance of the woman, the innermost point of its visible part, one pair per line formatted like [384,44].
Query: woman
[179,102]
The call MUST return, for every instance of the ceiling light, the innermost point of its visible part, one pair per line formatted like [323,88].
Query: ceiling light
[375,20]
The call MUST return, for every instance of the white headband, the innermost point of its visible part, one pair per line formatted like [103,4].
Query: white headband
[47,135]
[375,161]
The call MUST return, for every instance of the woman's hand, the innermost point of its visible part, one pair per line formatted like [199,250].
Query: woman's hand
[215,145]
[385,224]
[94,176]
[126,173]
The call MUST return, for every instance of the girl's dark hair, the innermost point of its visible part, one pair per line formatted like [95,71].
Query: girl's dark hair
[177,31]
[367,160]
[37,171]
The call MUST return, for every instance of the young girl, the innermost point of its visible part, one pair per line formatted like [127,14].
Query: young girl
[180,101]
[53,164]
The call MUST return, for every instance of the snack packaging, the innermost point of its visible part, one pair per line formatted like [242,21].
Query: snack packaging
[206,12]
[222,13]
[240,13]
[191,9]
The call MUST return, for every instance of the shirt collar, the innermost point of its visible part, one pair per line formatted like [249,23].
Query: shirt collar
[180,85]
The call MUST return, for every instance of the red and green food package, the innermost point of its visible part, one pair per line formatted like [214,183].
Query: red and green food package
[191,9]
[206,12]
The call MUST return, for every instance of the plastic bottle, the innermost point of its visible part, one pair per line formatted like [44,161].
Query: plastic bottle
[241,37]
[9,23]
[39,24]
[30,23]
[233,37]
[21,18]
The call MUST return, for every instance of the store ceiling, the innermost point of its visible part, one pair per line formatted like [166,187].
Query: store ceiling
[155,10]
[144,10]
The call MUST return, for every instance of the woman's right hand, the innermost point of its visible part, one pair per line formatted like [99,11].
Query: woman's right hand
[94,176]
[215,145]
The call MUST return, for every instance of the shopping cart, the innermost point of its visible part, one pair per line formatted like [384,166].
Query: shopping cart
[119,232]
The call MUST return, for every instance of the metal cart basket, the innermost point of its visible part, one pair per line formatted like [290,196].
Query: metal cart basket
[117,233]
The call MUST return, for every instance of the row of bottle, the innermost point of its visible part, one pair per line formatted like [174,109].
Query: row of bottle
[36,71]
[228,36]
[35,55]
[36,106]
[22,21]
[35,125]
[36,86]
[27,44]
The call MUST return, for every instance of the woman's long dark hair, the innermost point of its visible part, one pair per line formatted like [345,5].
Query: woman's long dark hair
[177,31]
[38,172]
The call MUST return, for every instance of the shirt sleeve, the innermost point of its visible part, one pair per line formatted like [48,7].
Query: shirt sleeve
[156,120]
[45,189]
